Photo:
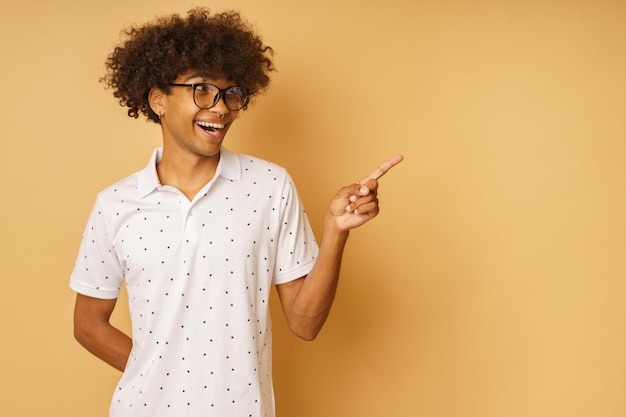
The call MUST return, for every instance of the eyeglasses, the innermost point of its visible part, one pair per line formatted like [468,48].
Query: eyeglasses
[207,95]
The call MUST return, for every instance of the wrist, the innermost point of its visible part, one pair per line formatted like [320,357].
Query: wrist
[333,229]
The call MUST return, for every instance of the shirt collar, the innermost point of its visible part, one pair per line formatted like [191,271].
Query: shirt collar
[229,167]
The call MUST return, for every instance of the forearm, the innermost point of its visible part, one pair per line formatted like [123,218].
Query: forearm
[93,330]
[107,343]
[311,304]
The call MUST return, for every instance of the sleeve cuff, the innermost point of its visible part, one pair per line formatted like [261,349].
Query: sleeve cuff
[93,292]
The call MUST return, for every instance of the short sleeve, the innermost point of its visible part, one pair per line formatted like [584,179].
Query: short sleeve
[97,272]
[297,247]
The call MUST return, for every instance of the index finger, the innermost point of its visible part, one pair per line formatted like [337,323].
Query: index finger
[382,169]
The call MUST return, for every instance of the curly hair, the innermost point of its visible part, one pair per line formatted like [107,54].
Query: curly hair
[220,45]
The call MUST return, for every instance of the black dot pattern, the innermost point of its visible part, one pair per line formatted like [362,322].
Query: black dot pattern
[198,276]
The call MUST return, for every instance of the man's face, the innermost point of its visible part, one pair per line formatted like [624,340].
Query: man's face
[192,129]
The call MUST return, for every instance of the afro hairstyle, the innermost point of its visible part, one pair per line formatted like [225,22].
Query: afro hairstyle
[221,45]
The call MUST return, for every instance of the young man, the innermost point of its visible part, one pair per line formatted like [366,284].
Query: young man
[201,234]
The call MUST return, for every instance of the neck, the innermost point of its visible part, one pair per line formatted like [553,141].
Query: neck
[187,172]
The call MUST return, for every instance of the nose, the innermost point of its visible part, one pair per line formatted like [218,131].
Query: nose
[220,107]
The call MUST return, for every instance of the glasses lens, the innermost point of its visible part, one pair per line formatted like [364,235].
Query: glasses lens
[206,95]
[235,98]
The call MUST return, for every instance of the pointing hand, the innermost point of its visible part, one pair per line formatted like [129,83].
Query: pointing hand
[357,203]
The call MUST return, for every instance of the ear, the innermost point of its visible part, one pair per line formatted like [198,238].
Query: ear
[156,99]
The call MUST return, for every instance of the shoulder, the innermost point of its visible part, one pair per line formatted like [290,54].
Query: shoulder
[255,167]
[123,188]
[136,185]
[120,196]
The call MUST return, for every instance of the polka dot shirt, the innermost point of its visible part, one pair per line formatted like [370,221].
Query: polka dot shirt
[198,276]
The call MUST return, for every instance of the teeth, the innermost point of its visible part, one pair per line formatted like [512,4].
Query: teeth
[213,125]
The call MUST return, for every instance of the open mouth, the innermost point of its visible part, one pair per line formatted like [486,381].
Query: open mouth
[213,128]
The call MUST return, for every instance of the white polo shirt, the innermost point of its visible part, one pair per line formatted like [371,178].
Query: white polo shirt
[198,275]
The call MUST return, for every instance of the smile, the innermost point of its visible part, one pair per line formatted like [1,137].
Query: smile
[211,127]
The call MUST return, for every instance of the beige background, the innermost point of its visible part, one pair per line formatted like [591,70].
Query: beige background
[492,284]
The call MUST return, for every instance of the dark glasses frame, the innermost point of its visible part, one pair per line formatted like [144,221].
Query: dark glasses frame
[221,93]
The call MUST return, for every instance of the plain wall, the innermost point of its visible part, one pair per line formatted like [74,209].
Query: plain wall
[492,283]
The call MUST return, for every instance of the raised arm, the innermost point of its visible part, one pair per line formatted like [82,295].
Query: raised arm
[93,330]
[306,302]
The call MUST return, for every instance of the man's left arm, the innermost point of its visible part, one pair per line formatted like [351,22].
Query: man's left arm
[307,301]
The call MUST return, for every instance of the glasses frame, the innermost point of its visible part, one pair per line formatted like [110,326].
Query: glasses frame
[221,94]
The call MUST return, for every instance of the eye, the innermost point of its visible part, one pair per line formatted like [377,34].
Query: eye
[237,93]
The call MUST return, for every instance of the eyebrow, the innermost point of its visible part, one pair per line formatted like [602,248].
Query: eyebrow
[205,75]
[196,75]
